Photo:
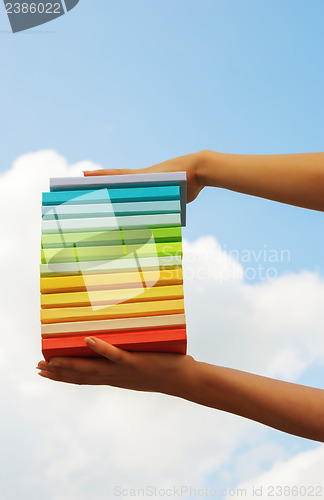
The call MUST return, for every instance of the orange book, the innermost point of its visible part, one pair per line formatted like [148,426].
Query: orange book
[163,340]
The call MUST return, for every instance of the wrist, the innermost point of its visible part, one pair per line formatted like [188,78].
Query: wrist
[208,168]
[181,381]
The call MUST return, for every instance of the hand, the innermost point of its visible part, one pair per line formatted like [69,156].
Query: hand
[187,163]
[153,372]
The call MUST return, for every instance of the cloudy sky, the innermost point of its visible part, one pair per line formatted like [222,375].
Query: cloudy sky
[127,85]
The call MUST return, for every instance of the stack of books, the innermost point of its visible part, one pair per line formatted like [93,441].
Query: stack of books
[111,263]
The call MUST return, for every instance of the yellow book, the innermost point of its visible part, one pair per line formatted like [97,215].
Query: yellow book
[156,307]
[109,280]
[108,297]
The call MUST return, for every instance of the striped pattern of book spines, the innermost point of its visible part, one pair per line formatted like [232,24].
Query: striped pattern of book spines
[104,274]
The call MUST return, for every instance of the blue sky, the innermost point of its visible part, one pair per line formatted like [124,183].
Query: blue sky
[132,83]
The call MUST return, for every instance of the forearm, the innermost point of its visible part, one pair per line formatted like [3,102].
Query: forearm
[292,408]
[296,179]
[289,407]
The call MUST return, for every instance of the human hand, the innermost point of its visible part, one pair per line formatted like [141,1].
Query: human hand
[140,371]
[186,163]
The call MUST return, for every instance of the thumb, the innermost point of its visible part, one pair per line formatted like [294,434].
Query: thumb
[109,351]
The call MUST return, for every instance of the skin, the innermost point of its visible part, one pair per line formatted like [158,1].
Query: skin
[296,179]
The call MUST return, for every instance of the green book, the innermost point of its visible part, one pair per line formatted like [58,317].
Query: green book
[111,237]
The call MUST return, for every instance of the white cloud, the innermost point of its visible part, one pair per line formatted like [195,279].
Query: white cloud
[78,442]
[298,477]
[287,364]
[273,327]
[204,260]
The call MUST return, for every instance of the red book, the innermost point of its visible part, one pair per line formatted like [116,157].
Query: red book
[163,340]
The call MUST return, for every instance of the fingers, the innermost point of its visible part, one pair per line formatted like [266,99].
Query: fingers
[60,376]
[91,371]
[109,351]
[121,171]
[84,365]
[70,376]
[111,171]
[75,370]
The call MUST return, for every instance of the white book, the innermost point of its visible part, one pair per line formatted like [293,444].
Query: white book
[72,327]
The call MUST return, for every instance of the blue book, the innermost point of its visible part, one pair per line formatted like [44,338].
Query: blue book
[157,179]
[107,195]
[68,211]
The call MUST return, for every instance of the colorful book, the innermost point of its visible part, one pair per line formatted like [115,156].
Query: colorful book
[64,211]
[147,340]
[84,254]
[123,310]
[108,281]
[111,237]
[110,195]
[81,328]
[110,297]
[123,264]
[106,223]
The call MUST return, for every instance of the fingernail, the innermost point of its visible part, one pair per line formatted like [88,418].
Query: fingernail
[43,374]
[90,341]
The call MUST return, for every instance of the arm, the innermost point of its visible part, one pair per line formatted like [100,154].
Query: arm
[296,179]
[289,407]
[292,408]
